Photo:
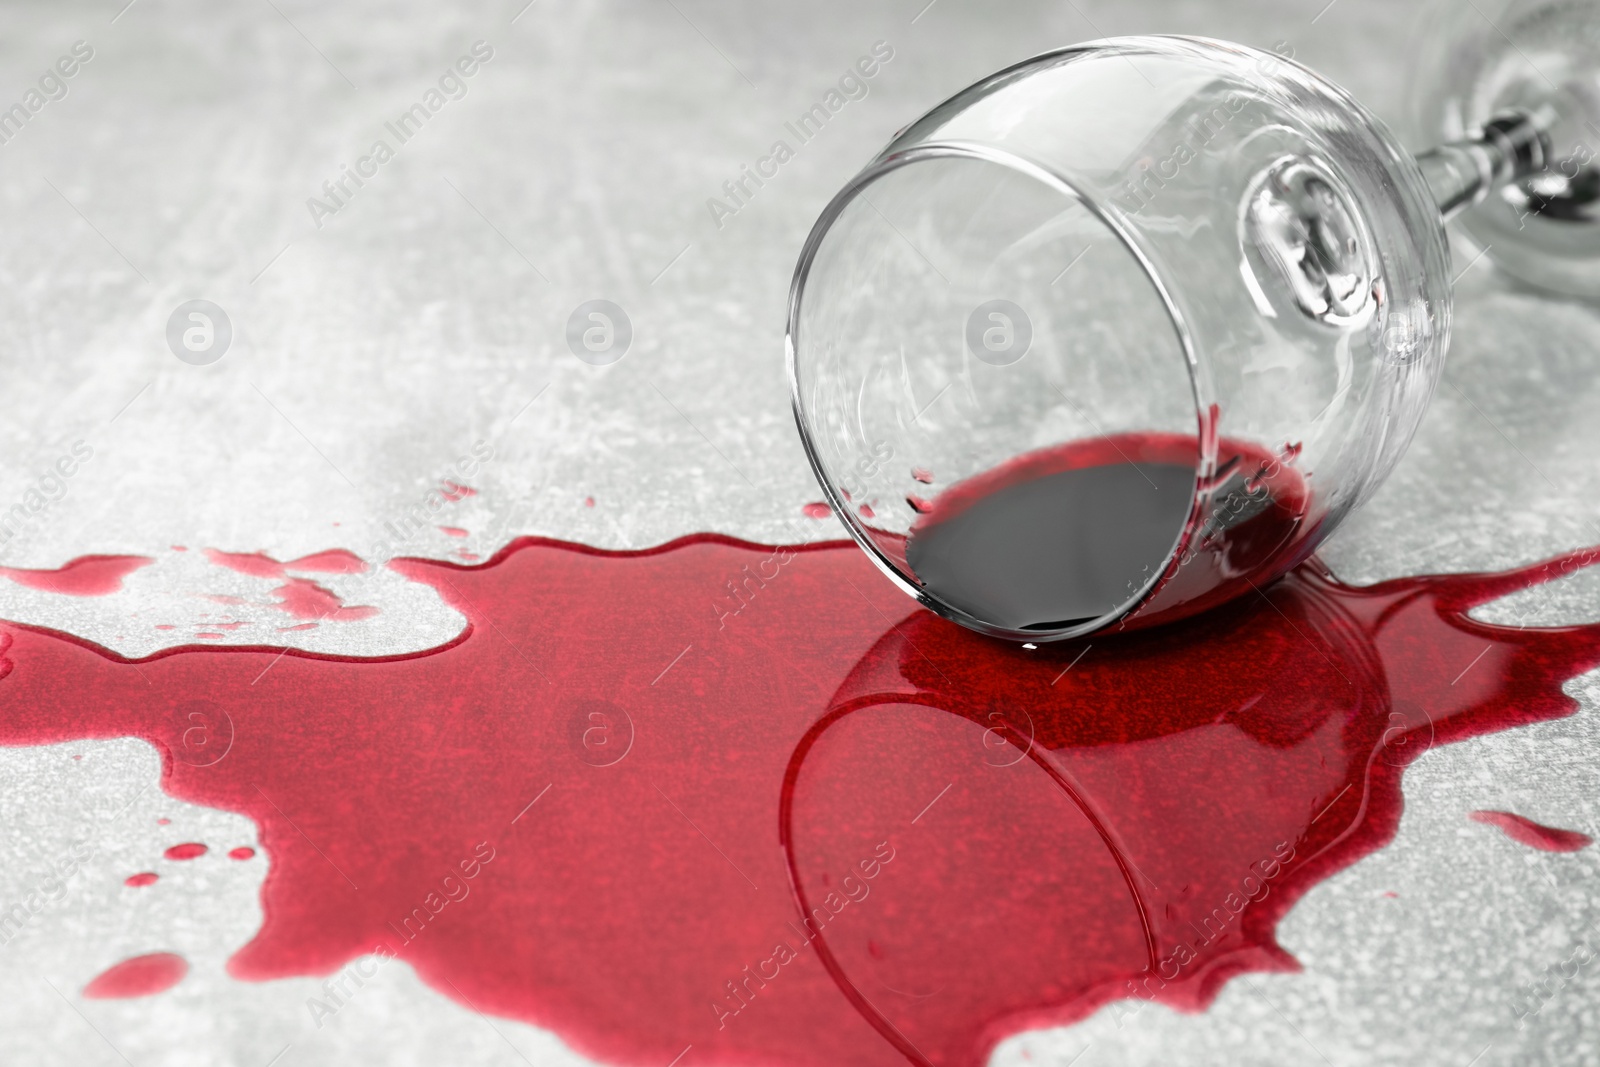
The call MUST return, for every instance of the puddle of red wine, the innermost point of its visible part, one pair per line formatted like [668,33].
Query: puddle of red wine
[597,808]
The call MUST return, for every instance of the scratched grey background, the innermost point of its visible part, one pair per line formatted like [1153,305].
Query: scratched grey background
[429,315]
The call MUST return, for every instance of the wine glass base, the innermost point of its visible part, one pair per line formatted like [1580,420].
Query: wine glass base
[1535,58]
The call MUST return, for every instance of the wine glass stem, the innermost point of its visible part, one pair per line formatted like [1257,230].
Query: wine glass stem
[1462,173]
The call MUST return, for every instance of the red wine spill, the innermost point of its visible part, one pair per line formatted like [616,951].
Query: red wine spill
[141,976]
[585,812]
[1534,835]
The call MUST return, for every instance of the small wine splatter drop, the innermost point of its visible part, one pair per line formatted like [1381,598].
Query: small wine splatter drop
[143,878]
[917,504]
[1534,835]
[923,475]
[243,852]
[867,512]
[588,501]
[261,565]
[189,850]
[333,561]
[453,531]
[817,510]
[305,599]
[255,564]
[141,976]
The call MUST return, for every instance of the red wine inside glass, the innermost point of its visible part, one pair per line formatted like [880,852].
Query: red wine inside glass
[1070,534]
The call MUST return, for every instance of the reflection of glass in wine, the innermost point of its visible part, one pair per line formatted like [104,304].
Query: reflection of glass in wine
[1172,793]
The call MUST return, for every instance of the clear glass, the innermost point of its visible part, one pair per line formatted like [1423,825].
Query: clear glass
[1537,57]
[1158,260]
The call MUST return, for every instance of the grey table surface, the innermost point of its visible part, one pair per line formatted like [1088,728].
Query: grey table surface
[374,346]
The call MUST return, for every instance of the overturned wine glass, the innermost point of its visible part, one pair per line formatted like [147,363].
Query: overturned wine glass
[1125,330]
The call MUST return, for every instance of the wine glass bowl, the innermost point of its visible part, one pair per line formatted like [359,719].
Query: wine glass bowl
[1117,333]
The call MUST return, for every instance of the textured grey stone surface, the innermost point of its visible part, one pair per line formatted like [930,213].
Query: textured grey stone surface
[429,315]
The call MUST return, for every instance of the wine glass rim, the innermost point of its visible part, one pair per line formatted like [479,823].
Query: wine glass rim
[1107,215]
